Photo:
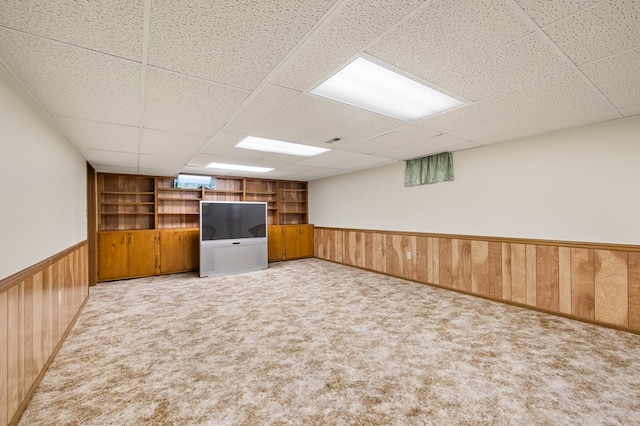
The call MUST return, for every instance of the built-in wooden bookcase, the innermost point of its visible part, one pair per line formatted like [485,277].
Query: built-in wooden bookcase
[126,202]
[292,203]
[131,202]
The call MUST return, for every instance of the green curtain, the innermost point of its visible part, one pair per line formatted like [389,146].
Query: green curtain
[431,169]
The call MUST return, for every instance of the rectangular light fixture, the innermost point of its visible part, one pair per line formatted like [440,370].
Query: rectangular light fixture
[239,167]
[365,84]
[280,147]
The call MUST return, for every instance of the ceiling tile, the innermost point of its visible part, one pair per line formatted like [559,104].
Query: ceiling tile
[348,30]
[362,162]
[545,12]
[604,29]
[624,96]
[630,110]
[112,26]
[162,162]
[315,173]
[305,115]
[614,71]
[554,89]
[228,41]
[355,128]
[389,140]
[563,111]
[447,34]
[74,82]
[266,102]
[110,158]
[183,104]
[201,160]
[99,135]
[328,158]
[427,147]
[159,142]
[221,142]
[115,169]
[523,62]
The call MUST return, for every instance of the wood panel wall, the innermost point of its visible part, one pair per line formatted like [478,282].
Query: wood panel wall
[598,283]
[38,307]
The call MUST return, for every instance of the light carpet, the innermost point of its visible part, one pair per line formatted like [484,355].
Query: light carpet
[316,343]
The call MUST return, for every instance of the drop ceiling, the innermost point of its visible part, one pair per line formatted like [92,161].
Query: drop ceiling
[160,87]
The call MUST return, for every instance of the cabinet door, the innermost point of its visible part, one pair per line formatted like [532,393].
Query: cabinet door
[112,256]
[192,250]
[171,251]
[298,241]
[143,253]
[276,243]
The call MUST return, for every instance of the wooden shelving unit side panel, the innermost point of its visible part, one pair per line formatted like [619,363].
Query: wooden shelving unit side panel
[292,203]
[126,202]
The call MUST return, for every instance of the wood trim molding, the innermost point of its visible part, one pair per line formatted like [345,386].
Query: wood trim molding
[571,244]
[11,280]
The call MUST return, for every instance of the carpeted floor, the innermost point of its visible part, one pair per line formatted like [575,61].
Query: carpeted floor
[312,342]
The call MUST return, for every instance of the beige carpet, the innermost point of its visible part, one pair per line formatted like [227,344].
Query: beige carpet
[311,342]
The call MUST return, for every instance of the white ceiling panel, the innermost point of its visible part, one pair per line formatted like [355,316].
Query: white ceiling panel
[99,135]
[74,82]
[397,137]
[228,41]
[265,102]
[149,86]
[349,29]
[159,142]
[362,125]
[328,158]
[162,162]
[545,12]
[305,115]
[523,62]
[363,162]
[110,158]
[427,147]
[541,94]
[183,104]
[606,28]
[116,169]
[448,34]
[563,111]
[630,110]
[221,142]
[109,26]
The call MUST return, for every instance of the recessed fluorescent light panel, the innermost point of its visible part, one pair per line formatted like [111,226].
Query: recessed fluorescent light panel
[373,87]
[270,145]
[239,167]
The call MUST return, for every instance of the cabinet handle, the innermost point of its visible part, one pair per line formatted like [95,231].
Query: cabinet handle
[131,239]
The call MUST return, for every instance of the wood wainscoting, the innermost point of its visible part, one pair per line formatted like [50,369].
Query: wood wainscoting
[38,307]
[598,283]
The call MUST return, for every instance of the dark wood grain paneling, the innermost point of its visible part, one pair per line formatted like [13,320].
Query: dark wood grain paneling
[634,290]
[4,352]
[547,278]
[506,271]
[518,273]
[445,262]
[430,277]
[564,280]
[379,253]
[611,285]
[480,267]
[435,259]
[368,250]
[583,283]
[495,270]
[531,278]
[464,265]
[422,266]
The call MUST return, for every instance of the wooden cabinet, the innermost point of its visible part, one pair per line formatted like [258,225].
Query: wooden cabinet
[292,203]
[179,250]
[127,254]
[125,202]
[290,242]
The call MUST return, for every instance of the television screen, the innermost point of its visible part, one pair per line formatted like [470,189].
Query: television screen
[228,220]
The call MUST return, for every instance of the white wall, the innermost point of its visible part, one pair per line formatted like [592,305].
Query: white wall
[579,184]
[42,185]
